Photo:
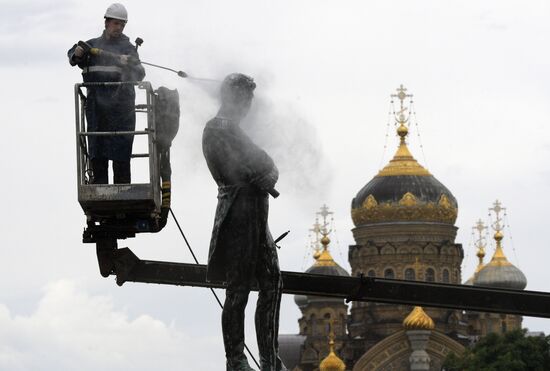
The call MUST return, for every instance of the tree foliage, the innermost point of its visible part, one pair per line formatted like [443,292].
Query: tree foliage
[512,351]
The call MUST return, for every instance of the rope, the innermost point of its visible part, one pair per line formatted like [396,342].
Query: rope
[337,241]
[413,115]
[211,289]
[507,224]
[491,234]
[307,252]
[391,109]
[464,264]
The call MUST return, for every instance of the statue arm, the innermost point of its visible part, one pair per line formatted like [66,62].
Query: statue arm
[263,172]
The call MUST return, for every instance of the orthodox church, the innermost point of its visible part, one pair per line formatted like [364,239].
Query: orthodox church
[404,229]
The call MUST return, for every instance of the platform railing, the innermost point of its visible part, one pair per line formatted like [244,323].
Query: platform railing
[83,162]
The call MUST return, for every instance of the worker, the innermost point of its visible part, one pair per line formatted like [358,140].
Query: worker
[242,250]
[110,108]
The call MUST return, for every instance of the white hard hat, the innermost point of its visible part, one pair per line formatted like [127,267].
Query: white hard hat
[117,11]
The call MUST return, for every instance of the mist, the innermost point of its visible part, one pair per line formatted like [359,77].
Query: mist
[280,127]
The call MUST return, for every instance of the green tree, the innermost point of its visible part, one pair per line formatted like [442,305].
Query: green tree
[512,351]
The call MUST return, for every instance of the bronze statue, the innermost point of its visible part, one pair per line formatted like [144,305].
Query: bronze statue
[242,250]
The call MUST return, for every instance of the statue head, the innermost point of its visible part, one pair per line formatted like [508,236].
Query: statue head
[237,92]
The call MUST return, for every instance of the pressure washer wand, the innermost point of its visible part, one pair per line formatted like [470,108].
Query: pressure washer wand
[179,73]
[139,42]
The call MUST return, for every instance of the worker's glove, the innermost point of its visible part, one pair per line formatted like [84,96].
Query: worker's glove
[79,52]
[127,60]
[124,60]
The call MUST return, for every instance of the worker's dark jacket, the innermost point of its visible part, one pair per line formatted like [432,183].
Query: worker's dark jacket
[110,108]
[240,226]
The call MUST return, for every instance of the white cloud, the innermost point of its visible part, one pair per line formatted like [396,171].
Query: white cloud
[72,330]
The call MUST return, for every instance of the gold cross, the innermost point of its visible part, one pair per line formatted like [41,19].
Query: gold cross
[480,227]
[317,230]
[497,208]
[401,95]
[324,213]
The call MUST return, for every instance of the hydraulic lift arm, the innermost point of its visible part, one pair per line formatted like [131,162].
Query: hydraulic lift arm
[129,268]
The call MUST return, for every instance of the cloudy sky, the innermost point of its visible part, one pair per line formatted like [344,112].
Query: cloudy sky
[325,70]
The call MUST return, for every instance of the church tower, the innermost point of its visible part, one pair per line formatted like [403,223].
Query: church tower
[500,273]
[404,229]
[321,315]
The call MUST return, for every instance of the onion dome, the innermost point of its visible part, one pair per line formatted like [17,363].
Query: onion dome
[418,320]
[301,301]
[332,362]
[325,264]
[403,190]
[499,272]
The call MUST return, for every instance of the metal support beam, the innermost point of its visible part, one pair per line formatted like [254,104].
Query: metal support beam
[129,268]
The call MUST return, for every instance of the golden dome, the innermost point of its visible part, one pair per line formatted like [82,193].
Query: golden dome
[325,259]
[418,320]
[480,255]
[403,163]
[403,191]
[316,254]
[499,272]
[332,362]
[499,259]
[324,262]
[399,203]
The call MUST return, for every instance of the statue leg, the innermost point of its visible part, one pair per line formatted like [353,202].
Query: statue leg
[267,309]
[236,298]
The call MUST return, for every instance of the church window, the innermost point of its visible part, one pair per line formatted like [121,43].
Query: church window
[410,274]
[371,273]
[430,275]
[389,273]
[446,275]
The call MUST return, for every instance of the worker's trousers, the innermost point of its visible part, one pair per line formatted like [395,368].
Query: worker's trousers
[121,171]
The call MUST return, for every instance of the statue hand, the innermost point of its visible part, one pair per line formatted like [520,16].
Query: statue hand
[265,182]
